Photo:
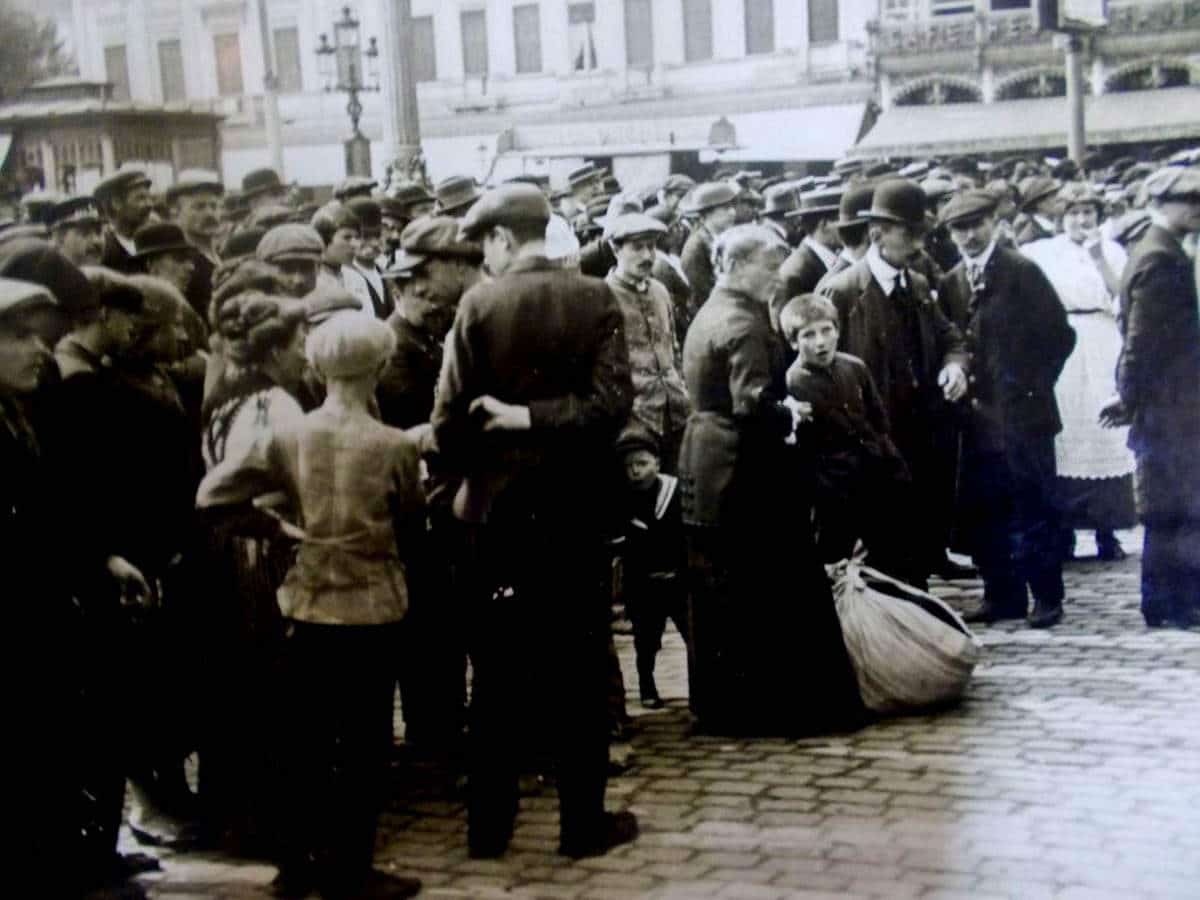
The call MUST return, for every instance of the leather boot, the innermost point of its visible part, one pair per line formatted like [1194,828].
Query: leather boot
[1046,613]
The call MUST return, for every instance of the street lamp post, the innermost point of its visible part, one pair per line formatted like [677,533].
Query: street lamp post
[340,66]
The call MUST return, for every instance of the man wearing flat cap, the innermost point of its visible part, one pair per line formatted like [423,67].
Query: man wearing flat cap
[194,201]
[778,201]
[354,186]
[1039,209]
[714,205]
[1158,382]
[295,251]
[533,391]
[76,230]
[660,402]
[1017,333]
[124,201]
[915,354]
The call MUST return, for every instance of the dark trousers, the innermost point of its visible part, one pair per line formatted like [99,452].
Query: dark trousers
[339,738]
[650,602]
[1168,499]
[539,634]
[1013,520]
[1170,571]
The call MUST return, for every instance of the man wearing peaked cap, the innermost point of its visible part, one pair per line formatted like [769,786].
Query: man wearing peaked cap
[36,260]
[1158,382]
[455,196]
[534,388]
[597,257]
[124,201]
[817,252]
[76,230]
[918,359]
[37,207]
[714,205]
[195,204]
[1017,331]
[660,400]
[938,245]
[296,251]
[1039,207]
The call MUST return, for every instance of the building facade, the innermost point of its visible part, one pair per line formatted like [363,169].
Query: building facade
[505,86]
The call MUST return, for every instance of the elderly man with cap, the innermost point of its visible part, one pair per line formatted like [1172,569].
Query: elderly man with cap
[124,201]
[165,253]
[295,251]
[1039,209]
[533,391]
[1019,339]
[194,201]
[76,230]
[916,355]
[368,286]
[660,401]
[714,203]
[1158,382]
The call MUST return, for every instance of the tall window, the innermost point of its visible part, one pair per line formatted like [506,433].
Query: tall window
[697,30]
[116,70]
[288,78]
[474,41]
[527,34]
[822,21]
[639,34]
[170,70]
[581,25]
[228,52]
[424,51]
[760,26]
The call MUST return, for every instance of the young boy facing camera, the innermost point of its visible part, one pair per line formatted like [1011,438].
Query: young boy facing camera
[862,484]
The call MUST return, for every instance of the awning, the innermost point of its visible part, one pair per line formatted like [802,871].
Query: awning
[803,134]
[1016,125]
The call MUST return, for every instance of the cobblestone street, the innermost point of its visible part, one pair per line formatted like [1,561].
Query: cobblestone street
[1072,769]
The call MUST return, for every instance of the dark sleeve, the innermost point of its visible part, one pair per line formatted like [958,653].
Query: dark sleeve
[698,270]
[1141,310]
[1055,337]
[873,404]
[609,398]
[596,258]
[755,398]
[451,420]
[949,339]
[407,504]
[404,393]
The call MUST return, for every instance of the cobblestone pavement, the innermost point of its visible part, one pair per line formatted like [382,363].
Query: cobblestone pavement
[1072,769]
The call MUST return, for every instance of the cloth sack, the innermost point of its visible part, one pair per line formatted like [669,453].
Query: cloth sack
[908,648]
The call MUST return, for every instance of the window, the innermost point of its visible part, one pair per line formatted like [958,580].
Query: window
[474,41]
[1001,5]
[898,10]
[951,7]
[288,79]
[424,51]
[116,70]
[581,38]
[760,26]
[170,70]
[697,30]
[527,33]
[227,50]
[639,34]
[822,21]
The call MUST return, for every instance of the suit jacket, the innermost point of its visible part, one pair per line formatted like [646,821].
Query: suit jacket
[801,272]
[681,293]
[553,340]
[1158,371]
[199,287]
[1027,229]
[1019,340]
[863,312]
[117,258]
[406,386]
[696,260]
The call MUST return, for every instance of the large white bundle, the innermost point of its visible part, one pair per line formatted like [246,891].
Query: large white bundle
[909,651]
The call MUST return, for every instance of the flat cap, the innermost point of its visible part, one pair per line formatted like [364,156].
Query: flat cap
[195,181]
[354,186]
[269,215]
[432,236]
[537,180]
[456,194]
[821,201]
[159,237]
[968,205]
[114,290]
[290,241]
[585,173]
[1174,183]
[327,299]
[18,296]
[1035,188]
[335,215]
[508,205]
[120,182]
[636,436]
[368,212]
[31,259]
[708,196]
[1076,193]
[410,193]
[936,188]
[78,210]
[628,225]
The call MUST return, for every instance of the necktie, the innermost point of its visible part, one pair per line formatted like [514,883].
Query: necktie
[975,276]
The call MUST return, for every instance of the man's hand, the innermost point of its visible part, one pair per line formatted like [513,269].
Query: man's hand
[953,382]
[1113,414]
[135,592]
[495,415]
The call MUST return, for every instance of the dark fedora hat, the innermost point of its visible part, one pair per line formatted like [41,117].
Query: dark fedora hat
[781,199]
[262,181]
[455,195]
[899,200]
[159,237]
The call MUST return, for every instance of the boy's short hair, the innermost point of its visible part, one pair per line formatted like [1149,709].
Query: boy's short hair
[804,310]
[349,345]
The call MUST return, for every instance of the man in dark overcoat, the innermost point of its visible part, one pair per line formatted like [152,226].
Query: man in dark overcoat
[1158,380]
[714,204]
[817,253]
[1019,338]
[533,391]
[917,357]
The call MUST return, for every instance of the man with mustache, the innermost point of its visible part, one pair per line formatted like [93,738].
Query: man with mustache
[76,230]
[195,204]
[124,201]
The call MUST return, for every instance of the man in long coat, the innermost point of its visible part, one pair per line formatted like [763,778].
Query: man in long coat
[715,205]
[1158,379]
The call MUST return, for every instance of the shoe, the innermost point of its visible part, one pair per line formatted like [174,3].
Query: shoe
[1108,548]
[653,701]
[377,886]
[948,569]
[292,882]
[1046,615]
[617,829]
[648,690]
[987,612]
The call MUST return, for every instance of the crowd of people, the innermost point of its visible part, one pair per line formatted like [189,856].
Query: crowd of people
[265,462]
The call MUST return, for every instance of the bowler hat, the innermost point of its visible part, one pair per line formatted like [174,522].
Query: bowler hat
[455,195]
[780,199]
[157,238]
[194,181]
[1036,188]
[708,196]
[120,182]
[507,205]
[290,241]
[898,200]
[368,212]
[262,181]
[78,210]
[622,227]
[969,205]
[354,186]
[432,236]
[854,202]
[822,201]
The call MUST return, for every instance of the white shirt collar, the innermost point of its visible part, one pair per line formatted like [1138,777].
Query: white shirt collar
[824,254]
[777,228]
[885,273]
[1045,223]
[129,244]
[847,256]
[982,259]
